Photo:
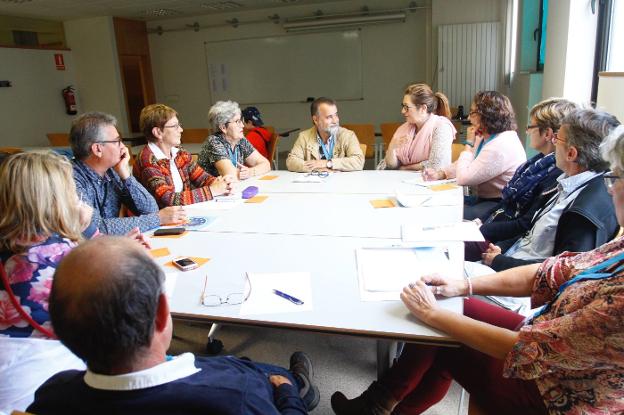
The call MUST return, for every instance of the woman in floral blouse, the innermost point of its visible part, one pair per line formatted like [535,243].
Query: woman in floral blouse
[42,220]
[568,358]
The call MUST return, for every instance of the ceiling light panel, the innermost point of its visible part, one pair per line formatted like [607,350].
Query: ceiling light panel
[161,12]
[221,5]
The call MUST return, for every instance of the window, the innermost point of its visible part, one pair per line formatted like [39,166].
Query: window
[541,35]
[615,42]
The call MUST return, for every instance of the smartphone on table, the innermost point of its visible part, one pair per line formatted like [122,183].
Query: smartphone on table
[185,263]
[169,231]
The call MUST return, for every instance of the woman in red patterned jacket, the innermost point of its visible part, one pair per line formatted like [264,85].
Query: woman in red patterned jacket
[168,171]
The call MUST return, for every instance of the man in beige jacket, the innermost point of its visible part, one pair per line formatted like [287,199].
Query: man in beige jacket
[326,146]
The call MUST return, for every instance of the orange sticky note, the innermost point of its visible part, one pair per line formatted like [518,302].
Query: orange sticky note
[200,261]
[443,186]
[256,199]
[160,252]
[268,177]
[171,236]
[382,203]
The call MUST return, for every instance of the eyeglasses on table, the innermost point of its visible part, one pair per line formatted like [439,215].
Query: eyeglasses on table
[319,173]
[216,300]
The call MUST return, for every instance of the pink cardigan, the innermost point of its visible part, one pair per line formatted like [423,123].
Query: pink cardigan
[492,168]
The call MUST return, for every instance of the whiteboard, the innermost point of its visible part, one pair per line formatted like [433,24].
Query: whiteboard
[286,68]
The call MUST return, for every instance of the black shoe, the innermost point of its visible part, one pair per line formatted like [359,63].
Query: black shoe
[301,368]
[343,406]
[373,401]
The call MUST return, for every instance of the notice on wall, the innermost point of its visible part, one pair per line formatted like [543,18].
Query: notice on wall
[218,74]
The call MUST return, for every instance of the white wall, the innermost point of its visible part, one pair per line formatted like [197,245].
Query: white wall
[33,106]
[394,55]
[570,46]
[610,93]
[98,77]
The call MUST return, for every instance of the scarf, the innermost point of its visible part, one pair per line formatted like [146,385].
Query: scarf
[417,149]
[519,191]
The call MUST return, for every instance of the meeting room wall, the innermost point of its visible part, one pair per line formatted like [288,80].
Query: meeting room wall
[92,41]
[33,105]
[393,55]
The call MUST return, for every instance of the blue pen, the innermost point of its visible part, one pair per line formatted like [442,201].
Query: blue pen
[287,297]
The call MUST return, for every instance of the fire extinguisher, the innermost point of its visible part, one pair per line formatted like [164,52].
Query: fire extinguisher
[70,100]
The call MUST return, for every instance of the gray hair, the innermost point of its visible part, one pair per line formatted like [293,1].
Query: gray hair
[222,112]
[586,130]
[612,148]
[86,129]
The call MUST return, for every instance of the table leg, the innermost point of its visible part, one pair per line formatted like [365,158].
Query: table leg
[386,352]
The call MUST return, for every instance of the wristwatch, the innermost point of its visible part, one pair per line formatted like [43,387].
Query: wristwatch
[330,164]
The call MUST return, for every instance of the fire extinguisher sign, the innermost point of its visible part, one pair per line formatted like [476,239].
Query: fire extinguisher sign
[59,61]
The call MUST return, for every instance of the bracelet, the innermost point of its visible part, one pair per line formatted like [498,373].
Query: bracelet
[469,286]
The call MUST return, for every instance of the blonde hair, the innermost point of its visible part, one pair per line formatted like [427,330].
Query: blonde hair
[550,112]
[37,199]
[422,94]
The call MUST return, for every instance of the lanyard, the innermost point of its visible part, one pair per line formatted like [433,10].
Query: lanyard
[101,204]
[597,272]
[483,143]
[233,154]
[328,153]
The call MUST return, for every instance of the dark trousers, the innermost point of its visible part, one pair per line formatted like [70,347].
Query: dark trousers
[423,374]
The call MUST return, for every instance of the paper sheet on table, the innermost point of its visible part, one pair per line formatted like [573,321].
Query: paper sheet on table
[200,209]
[520,305]
[460,231]
[257,199]
[160,252]
[427,199]
[383,272]
[382,203]
[170,283]
[262,300]
[419,181]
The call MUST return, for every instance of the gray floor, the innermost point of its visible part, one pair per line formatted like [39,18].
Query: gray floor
[342,363]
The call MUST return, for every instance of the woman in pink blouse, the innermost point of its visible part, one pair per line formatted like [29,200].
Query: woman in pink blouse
[492,159]
[424,140]
[567,359]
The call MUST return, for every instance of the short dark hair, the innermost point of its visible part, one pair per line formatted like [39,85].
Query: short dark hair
[86,129]
[317,102]
[495,110]
[586,128]
[155,115]
[109,326]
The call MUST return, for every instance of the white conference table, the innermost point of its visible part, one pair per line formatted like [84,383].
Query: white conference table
[297,230]
[356,182]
